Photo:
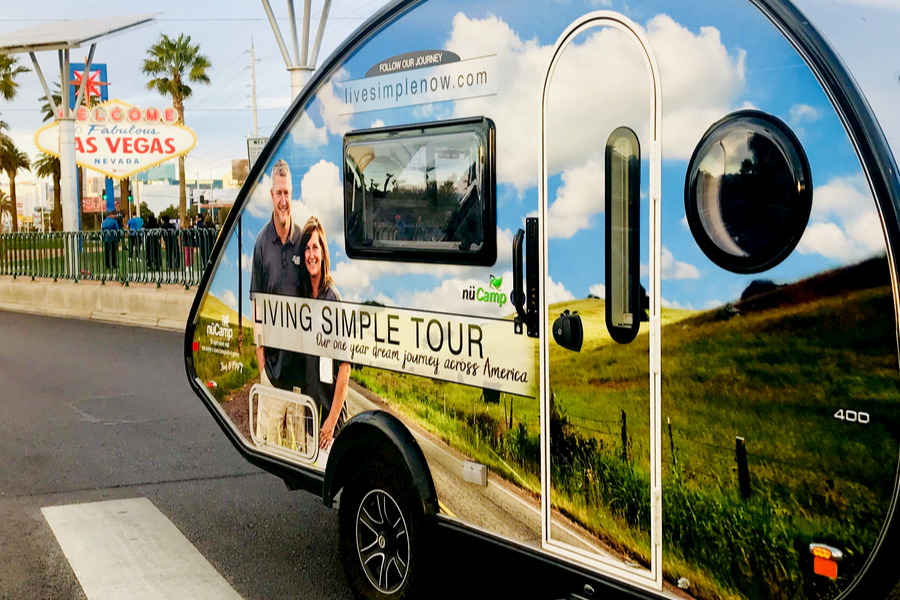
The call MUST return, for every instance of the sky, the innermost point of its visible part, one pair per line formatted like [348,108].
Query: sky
[220,115]
[707,73]
[739,73]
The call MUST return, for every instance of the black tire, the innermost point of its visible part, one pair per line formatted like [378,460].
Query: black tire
[384,535]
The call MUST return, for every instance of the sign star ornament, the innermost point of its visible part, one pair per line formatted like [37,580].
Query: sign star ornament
[92,85]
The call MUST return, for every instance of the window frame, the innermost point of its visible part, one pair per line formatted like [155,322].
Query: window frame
[487,254]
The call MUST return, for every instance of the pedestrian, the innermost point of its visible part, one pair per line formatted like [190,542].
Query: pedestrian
[135,225]
[110,232]
[154,251]
[207,235]
[170,238]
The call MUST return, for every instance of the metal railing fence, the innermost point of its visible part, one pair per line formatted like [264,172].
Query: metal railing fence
[160,256]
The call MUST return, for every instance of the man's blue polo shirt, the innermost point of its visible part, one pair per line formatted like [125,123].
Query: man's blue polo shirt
[279,269]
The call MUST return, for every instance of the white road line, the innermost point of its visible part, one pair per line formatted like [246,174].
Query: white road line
[129,549]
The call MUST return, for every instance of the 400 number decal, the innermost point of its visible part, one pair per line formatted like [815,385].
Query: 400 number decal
[852,416]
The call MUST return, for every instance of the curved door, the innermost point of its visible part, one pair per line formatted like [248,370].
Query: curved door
[600,422]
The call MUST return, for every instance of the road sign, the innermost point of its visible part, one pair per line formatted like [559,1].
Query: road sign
[255,147]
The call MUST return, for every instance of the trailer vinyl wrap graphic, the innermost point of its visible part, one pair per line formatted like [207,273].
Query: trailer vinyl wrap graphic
[477,352]
[461,79]
[777,437]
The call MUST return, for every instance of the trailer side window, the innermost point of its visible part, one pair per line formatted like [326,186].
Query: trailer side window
[748,193]
[422,193]
[623,189]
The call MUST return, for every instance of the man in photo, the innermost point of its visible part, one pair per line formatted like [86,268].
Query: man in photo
[277,269]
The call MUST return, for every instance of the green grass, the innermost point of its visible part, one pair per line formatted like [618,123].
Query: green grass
[774,377]
[208,365]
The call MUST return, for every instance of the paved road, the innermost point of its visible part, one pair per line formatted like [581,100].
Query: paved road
[95,412]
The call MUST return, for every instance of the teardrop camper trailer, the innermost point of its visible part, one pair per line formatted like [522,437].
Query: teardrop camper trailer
[563,280]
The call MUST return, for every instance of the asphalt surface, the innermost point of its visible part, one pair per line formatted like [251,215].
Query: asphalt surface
[98,412]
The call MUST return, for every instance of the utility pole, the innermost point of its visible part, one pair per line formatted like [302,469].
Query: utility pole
[301,66]
[253,85]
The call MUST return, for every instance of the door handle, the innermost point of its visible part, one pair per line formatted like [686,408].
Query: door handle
[526,300]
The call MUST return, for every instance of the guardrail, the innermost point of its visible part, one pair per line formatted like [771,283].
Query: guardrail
[160,256]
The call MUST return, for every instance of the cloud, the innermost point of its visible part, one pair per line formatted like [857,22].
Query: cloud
[331,106]
[673,269]
[804,113]
[377,123]
[246,262]
[556,292]
[844,223]
[578,199]
[260,205]
[828,240]
[448,297]
[322,195]
[229,299]
[598,289]
[687,60]
[307,135]
[359,276]
[385,300]
[675,304]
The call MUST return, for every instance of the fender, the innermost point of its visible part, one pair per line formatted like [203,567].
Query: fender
[377,432]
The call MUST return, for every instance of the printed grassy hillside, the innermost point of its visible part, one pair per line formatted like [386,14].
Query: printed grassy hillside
[776,376]
[216,359]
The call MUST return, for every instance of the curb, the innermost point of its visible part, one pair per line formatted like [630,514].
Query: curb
[138,306]
[101,317]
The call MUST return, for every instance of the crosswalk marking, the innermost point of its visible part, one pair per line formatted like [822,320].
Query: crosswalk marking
[129,549]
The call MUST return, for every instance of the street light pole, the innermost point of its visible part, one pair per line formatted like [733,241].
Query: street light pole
[210,164]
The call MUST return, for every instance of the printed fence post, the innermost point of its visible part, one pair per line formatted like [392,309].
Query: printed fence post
[624,437]
[740,454]
[671,441]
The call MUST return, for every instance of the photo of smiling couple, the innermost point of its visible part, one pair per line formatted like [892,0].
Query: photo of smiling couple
[290,260]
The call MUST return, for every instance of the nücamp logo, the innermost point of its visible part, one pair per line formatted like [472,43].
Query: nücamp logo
[220,331]
[491,295]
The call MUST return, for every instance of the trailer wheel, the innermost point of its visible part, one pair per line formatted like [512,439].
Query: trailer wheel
[383,535]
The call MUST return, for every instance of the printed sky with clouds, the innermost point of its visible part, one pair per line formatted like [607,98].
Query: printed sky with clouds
[726,59]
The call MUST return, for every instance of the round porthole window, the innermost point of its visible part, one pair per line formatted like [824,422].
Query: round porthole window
[748,192]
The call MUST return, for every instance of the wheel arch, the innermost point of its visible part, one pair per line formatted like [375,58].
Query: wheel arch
[370,436]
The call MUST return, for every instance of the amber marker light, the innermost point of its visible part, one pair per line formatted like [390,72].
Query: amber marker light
[825,560]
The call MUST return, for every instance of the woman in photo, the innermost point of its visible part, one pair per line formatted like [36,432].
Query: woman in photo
[326,382]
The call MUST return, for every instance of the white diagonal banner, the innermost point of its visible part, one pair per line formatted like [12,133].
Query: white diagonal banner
[476,351]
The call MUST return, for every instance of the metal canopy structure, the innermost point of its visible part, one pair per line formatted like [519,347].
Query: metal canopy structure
[66,35]
[301,65]
[63,36]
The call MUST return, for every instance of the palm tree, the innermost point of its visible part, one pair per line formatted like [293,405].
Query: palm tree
[46,108]
[5,208]
[169,61]
[12,160]
[48,166]
[9,70]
